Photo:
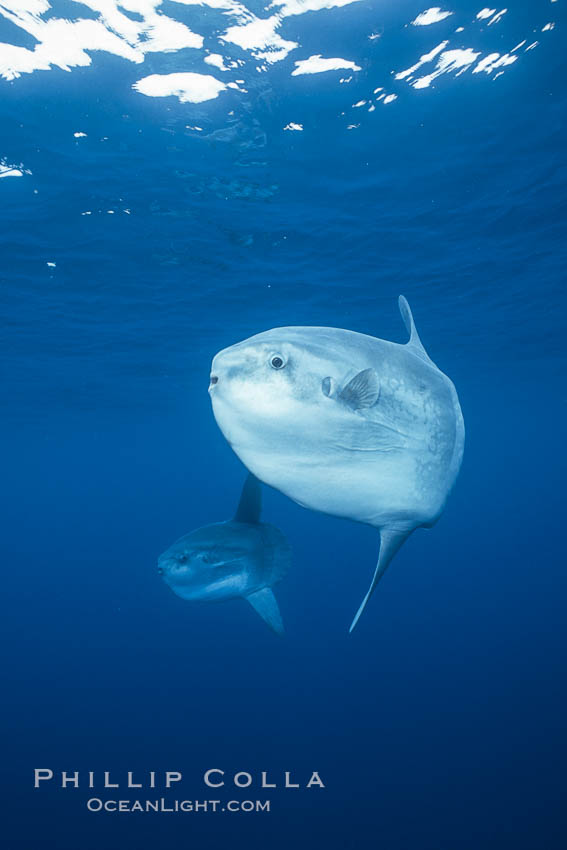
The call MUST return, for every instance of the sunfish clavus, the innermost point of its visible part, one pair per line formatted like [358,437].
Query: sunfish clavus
[241,557]
[344,423]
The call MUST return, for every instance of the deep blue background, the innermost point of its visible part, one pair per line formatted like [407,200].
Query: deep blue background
[440,723]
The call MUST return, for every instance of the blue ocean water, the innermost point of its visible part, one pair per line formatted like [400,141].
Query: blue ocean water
[148,222]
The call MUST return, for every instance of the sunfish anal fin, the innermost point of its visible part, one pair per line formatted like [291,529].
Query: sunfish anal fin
[250,505]
[414,342]
[390,542]
[264,602]
[362,390]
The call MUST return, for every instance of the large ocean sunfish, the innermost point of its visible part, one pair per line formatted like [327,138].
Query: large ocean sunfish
[344,423]
[239,558]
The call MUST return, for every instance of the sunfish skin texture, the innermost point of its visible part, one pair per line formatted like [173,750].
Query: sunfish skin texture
[344,423]
[241,557]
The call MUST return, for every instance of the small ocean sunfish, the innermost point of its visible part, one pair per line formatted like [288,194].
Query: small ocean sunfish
[241,557]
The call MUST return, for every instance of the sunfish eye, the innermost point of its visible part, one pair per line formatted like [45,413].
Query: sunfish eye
[277,362]
[182,559]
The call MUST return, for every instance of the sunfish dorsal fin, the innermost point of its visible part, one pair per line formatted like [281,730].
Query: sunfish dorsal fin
[264,602]
[250,504]
[414,342]
[361,391]
[390,542]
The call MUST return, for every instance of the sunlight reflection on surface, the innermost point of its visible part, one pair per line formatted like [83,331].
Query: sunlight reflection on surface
[245,44]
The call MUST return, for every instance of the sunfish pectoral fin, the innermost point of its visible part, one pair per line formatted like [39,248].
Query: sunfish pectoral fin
[390,542]
[414,341]
[250,504]
[361,391]
[264,602]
